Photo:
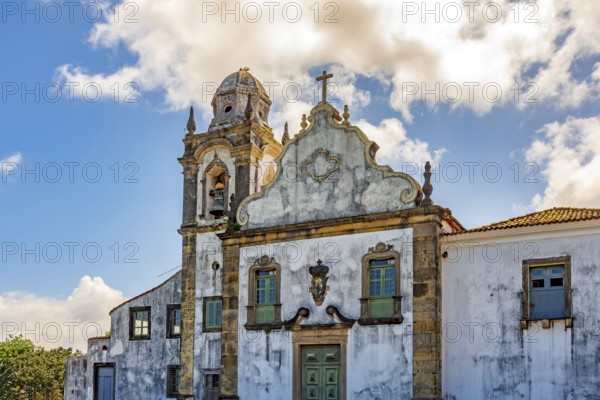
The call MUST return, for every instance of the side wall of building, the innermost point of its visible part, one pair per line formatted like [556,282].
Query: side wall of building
[207,345]
[486,354]
[140,365]
[76,378]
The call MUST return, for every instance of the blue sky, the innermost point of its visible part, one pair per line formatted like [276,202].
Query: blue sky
[132,211]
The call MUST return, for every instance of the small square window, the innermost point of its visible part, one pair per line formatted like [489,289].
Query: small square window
[173,321]
[172,381]
[139,323]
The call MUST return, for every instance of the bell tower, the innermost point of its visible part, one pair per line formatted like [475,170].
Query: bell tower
[231,160]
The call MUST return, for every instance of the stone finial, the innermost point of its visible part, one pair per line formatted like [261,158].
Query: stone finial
[249,113]
[286,135]
[191,124]
[427,186]
[346,115]
[303,124]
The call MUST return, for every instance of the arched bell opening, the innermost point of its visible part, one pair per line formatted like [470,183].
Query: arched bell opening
[216,190]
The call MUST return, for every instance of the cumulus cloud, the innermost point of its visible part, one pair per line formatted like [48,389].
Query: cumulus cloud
[470,56]
[568,155]
[52,322]
[396,146]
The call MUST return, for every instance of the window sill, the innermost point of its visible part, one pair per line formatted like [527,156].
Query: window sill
[137,338]
[211,330]
[546,324]
[380,320]
[263,327]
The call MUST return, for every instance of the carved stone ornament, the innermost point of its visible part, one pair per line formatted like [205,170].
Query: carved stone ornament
[320,165]
[318,284]
[381,248]
[264,260]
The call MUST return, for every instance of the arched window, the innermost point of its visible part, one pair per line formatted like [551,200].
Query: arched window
[264,304]
[381,299]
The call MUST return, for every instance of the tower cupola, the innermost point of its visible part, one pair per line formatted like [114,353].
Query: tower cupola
[238,98]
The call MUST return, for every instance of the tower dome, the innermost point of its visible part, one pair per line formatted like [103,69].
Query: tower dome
[238,98]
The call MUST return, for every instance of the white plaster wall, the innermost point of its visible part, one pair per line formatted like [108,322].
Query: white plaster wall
[379,357]
[207,346]
[485,354]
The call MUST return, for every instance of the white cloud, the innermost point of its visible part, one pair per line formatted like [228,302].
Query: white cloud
[395,145]
[9,166]
[568,155]
[52,322]
[183,46]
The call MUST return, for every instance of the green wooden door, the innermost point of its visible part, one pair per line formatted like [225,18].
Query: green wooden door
[321,372]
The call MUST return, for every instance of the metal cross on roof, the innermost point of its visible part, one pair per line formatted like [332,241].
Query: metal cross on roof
[324,78]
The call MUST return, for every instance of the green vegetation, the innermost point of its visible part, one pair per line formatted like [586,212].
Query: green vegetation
[29,372]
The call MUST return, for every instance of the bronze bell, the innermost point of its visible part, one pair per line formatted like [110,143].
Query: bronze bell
[218,207]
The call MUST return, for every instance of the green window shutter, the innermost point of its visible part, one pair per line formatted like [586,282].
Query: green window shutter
[213,313]
[381,307]
[382,287]
[265,314]
[266,296]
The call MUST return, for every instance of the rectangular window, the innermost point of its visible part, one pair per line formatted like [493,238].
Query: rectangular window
[173,321]
[212,384]
[266,296]
[212,313]
[382,286]
[139,323]
[547,293]
[172,381]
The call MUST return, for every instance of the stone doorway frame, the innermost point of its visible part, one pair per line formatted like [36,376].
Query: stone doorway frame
[316,335]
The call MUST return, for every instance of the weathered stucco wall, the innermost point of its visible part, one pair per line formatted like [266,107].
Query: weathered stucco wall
[355,185]
[485,353]
[76,378]
[379,358]
[207,346]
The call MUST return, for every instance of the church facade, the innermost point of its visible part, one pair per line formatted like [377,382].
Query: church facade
[311,272]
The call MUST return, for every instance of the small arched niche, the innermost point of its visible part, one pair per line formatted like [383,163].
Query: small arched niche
[216,190]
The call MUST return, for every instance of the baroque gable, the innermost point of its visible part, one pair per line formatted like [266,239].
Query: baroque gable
[327,171]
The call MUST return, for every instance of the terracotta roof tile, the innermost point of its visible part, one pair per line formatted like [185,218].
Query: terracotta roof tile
[554,215]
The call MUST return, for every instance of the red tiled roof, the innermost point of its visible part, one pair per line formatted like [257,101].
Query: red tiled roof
[554,215]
